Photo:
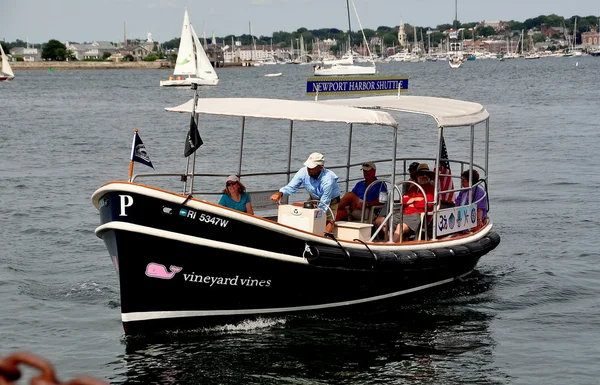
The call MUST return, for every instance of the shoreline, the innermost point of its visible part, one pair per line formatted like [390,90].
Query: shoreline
[86,65]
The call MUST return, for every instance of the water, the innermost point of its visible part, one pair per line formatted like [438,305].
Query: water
[530,314]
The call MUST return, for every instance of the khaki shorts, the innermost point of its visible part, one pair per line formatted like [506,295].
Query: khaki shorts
[333,205]
[413,221]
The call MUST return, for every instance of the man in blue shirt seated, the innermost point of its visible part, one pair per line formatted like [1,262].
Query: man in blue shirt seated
[354,199]
[320,183]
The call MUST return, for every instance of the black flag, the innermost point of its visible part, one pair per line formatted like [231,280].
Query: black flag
[138,151]
[193,140]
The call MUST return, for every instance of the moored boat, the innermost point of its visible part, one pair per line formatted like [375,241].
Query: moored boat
[455,63]
[183,260]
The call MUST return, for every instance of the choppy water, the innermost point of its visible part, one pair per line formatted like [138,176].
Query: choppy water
[529,315]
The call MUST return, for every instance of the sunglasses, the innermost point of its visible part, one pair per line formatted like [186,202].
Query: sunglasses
[231,184]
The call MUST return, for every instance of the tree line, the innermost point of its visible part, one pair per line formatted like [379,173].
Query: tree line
[388,36]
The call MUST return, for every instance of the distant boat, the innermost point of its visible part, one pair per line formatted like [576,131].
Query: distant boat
[455,63]
[7,72]
[273,75]
[192,66]
[345,65]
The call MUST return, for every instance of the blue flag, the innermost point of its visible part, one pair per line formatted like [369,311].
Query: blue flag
[138,151]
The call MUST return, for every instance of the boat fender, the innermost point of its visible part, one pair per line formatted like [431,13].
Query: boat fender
[486,243]
[330,235]
[443,254]
[387,257]
[426,257]
[368,248]
[495,238]
[407,258]
[460,251]
[330,253]
[475,248]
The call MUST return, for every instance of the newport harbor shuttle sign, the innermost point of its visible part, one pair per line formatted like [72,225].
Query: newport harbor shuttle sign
[316,86]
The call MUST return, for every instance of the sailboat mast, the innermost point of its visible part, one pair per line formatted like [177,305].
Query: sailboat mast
[349,27]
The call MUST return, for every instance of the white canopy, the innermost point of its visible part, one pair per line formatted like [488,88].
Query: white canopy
[446,112]
[286,109]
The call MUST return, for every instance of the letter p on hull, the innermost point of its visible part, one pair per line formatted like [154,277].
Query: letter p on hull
[126,201]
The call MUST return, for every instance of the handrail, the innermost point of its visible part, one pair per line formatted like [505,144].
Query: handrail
[362,212]
[403,169]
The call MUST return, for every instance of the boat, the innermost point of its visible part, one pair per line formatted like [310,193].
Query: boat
[7,72]
[343,69]
[183,261]
[455,62]
[274,75]
[192,65]
[345,65]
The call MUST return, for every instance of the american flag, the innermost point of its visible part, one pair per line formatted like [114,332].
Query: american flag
[446,182]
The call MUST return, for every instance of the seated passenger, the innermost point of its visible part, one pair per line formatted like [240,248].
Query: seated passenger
[462,199]
[411,169]
[413,203]
[353,200]
[235,196]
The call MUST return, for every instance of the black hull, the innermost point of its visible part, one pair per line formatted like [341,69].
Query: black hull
[176,271]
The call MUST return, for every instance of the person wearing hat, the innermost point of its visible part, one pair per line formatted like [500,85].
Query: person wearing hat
[411,169]
[320,183]
[353,199]
[413,203]
[235,195]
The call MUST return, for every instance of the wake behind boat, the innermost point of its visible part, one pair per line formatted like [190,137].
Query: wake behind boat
[192,65]
[184,261]
[7,72]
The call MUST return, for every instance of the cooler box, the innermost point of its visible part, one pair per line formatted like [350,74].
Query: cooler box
[353,230]
[311,220]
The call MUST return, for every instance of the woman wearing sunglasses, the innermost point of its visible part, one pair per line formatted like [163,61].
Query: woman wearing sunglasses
[235,196]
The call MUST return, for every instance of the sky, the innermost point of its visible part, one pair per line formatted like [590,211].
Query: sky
[38,21]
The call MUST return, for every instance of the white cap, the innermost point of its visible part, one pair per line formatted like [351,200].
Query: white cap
[315,159]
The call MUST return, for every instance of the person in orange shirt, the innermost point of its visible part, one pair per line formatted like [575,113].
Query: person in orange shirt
[413,203]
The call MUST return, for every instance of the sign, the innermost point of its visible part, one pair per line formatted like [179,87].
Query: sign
[356,85]
[456,219]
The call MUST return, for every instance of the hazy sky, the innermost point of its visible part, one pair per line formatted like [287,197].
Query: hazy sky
[87,20]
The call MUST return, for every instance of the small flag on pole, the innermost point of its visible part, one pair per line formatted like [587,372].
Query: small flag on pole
[193,140]
[138,151]
[446,182]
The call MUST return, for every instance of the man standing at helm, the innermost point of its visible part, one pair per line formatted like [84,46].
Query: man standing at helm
[320,183]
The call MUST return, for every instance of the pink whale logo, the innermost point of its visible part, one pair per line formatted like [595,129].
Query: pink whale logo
[155,270]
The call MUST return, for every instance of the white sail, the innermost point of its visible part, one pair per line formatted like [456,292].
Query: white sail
[192,66]
[204,69]
[6,70]
[345,65]
[186,60]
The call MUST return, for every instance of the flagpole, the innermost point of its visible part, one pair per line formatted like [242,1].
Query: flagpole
[135,131]
[195,88]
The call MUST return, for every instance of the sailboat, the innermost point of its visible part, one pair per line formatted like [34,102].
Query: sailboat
[345,66]
[6,73]
[192,66]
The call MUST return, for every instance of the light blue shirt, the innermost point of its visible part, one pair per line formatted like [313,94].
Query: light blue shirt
[324,188]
